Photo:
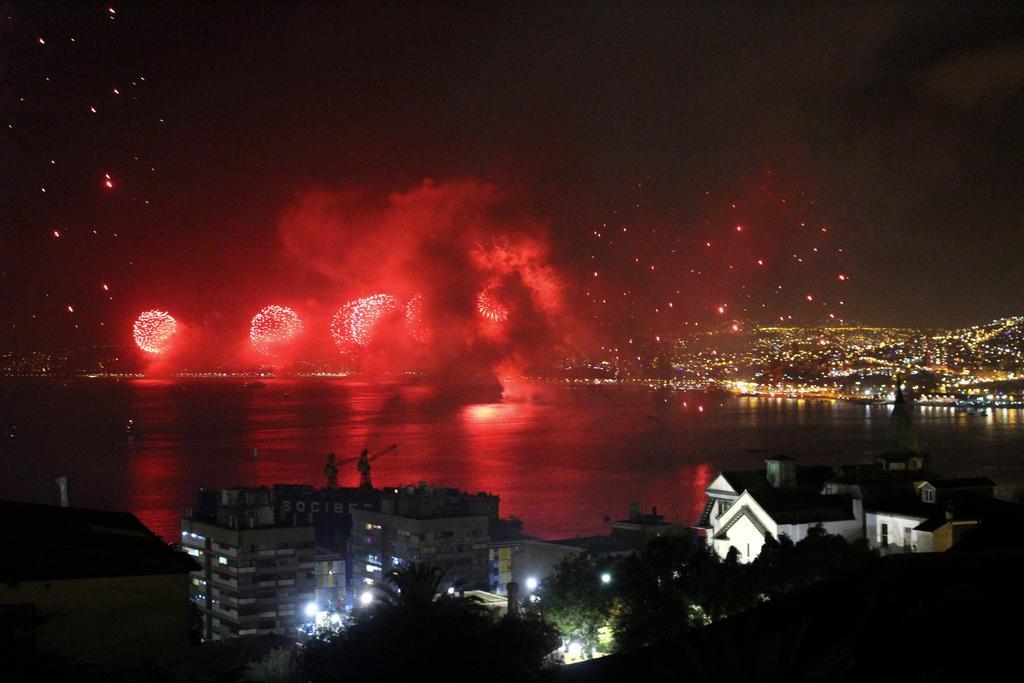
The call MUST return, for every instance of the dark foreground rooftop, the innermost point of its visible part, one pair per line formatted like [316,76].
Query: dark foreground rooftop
[48,543]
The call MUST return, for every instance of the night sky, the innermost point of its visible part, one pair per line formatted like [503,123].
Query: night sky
[308,154]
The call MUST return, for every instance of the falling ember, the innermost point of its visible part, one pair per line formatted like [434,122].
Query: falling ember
[810,297]
[842,277]
[106,288]
[56,233]
[721,309]
[273,327]
[71,308]
[153,331]
[355,323]
[490,308]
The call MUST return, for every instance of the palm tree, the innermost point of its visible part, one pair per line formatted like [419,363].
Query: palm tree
[416,589]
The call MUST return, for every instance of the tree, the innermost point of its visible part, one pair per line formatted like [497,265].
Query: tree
[654,599]
[574,602]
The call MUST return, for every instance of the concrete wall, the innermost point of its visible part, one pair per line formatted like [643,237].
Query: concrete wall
[745,537]
[898,525]
[537,560]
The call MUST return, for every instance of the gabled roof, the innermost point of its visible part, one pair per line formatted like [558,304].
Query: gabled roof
[46,543]
[963,483]
[746,480]
[788,506]
[608,544]
[964,507]
[807,477]
[743,512]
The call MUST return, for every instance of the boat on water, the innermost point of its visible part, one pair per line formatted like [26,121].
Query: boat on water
[131,431]
[971,408]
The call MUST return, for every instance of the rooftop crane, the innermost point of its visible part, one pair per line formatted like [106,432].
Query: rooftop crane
[362,461]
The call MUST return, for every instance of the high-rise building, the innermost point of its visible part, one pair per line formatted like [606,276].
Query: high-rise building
[258,571]
[445,527]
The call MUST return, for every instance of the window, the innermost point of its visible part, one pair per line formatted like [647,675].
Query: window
[222,559]
[885,534]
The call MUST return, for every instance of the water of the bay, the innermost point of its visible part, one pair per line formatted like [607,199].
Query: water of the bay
[562,457]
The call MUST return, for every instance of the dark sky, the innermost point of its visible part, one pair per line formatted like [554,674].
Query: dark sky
[899,128]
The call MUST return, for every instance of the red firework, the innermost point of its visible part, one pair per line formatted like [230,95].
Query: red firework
[153,331]
[355,322]
[414,319]
[489,307]
[273,327]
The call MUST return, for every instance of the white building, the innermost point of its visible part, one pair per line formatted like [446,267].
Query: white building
[754,516]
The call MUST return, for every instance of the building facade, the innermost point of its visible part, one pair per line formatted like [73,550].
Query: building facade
[445,527]
[257,575]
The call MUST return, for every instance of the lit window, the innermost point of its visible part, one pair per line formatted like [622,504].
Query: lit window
[192,551]
[222,559]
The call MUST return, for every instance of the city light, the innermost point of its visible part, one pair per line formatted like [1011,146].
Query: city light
[311,609]
[606,578]
[532,583]
[365,598]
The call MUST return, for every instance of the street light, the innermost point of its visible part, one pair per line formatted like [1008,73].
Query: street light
[311,609]
[365,598]
[531,583]
[606,578]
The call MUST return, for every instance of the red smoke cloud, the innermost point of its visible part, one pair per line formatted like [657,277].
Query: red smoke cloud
[445,242]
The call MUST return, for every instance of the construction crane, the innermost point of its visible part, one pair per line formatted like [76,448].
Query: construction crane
[362,461]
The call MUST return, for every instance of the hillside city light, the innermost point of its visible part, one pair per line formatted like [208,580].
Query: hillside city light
[606,578]
[531,583]
[311,609]
[365,598]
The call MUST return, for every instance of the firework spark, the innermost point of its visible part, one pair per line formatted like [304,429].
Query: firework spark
[153,331]
[414,319]
[273,327]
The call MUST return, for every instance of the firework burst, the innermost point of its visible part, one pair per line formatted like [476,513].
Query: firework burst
[153,331]
[273,327]
[488,306]
[355,323]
